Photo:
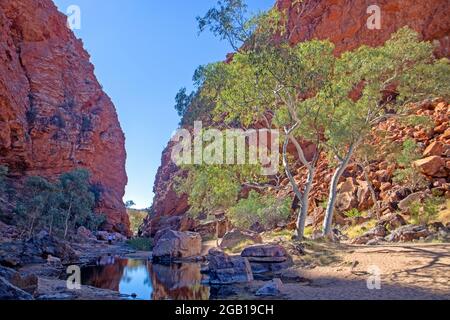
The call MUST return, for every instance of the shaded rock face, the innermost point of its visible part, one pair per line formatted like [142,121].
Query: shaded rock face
[345,24]
[224,269]
[54,115]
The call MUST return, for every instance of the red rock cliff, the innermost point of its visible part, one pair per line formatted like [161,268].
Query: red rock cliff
[344,22]
[54,116]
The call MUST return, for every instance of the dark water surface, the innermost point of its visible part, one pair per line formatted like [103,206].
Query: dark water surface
[147,281]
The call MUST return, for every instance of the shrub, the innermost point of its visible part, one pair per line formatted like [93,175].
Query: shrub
[353,213]
[265,209]
[424,213]
[408,175]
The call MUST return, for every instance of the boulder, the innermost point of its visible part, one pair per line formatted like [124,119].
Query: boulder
[265,253]
[406,203]
[85,234]
[430,166]
[392,221]
[10,292]
[408,233]
[273,288]
[237,236]
[27,283]
[377,233]
[267,258]
[436,148]
[224,269]
[175,245]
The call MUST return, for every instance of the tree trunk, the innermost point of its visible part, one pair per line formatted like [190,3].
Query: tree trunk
[304,205]
[66,229]
[371,189]
[328,221]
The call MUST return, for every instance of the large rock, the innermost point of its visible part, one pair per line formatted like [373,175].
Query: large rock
[224,269]
[174,245]
[265,253]
[54,115]
[436,148]
[10,292]
[406,203]
[267,258]
[273,288]
[408,233]
[430,166]
[392,221]
[378,233]
[236,236]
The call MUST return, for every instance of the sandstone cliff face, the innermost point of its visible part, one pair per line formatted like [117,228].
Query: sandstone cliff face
[54,116]
[344,22]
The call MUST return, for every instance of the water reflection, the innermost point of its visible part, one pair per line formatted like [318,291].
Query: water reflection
[147,281]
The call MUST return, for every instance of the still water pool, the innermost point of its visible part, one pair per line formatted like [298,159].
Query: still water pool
[143,280]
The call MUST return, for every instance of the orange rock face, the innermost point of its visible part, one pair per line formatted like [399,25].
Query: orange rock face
[54,116]
[344,22]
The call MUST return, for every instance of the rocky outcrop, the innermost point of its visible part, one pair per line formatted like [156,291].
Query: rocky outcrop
[174,245]
[54,115]
[345,24]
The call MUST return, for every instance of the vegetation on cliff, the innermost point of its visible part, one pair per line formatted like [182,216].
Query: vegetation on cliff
[307,92]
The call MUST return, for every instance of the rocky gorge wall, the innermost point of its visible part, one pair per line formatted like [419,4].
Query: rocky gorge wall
[54,115]
[344,22]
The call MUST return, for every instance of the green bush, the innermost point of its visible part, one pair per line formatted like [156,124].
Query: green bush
[353,213]
[424,213]
[141,244]
[265,209]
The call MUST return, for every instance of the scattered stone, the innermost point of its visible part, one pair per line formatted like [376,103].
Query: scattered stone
[174,245]
[224,269]
[237,236]
[273,288]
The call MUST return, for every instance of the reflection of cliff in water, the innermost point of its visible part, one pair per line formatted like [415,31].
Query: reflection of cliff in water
[106,275]
[178,282]
[145,281]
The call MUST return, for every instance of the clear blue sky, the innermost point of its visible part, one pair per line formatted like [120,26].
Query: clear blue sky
[144,51]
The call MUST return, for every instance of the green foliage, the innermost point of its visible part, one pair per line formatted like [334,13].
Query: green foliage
[424,213]
[228,21]
[408,175]
[141,244]
[213,187]
[265,209]
[129,204]
[353,213]
[183,101]
[136,219]
[422,121]
[59,207]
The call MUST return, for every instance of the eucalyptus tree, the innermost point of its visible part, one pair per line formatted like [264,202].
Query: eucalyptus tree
[371,85]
